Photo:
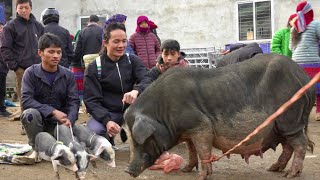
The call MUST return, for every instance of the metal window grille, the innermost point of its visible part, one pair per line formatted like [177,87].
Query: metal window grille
[254,20]
[202,57]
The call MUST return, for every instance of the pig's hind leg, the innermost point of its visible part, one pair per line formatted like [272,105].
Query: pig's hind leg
[193,158]
[299,143]
[284,158]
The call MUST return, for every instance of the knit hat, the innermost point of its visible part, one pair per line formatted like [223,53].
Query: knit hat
[152,25]
[305,16]
[120,18]
[292,16]
[139,21]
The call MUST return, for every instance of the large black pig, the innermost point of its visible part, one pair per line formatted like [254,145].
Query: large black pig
[218,108]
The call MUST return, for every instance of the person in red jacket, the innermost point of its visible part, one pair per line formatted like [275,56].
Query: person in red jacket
[144,43]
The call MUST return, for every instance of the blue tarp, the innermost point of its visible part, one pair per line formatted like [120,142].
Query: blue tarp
[2,13]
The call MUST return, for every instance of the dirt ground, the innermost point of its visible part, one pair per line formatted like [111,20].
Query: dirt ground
[233,168]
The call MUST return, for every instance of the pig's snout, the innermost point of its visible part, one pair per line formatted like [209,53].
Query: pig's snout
[133,170]
[81,174]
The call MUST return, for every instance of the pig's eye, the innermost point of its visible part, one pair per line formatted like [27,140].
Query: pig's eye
[146,156]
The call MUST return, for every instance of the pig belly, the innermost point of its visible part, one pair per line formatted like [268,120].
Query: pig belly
[225,144]
[229,132]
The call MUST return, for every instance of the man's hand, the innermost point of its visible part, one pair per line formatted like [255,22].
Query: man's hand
[66,122]
[130,97]
[61,117]
[112,128]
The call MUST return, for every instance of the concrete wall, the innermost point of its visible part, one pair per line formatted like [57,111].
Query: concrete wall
[201,23]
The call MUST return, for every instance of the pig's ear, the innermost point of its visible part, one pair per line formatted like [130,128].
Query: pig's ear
[92,157]
[142,129]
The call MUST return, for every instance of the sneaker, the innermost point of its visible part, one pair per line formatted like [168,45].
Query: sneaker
[115,148]
[123,135]
[23,131]
[5,113]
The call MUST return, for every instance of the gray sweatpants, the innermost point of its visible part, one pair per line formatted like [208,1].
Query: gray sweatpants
[33,123]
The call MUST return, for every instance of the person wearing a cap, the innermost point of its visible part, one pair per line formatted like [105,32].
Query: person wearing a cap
[50,19]
[153,29]
[304,43]
[144,43]
[120,18]
[280,40]
[89,42]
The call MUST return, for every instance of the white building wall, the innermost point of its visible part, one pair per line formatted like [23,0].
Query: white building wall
[194,23]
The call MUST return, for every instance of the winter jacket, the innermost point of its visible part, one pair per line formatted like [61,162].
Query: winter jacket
[146,46]
[38,93]
[240,54]
[64,35]
[155,72]
[307,49]
[3,66]
[280,42]
[89,41]
[19,46]
[103,95]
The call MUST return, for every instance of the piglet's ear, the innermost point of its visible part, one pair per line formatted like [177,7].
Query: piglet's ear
[142,129]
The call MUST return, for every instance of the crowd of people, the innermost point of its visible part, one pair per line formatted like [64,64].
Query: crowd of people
[108,70]
[104,69]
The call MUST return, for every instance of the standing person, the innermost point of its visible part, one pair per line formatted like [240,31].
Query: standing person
[153,29]
[50,19]
[3,76]
[19,43]
[112,82]
[89,41]
[144,43]
[120,18]
[49,94]
[281,39]
[305,37]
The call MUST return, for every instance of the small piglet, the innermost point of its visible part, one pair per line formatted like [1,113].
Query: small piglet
[47,148]
[97,145]
[82,157]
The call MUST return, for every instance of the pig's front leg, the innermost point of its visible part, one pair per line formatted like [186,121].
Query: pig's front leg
[193,158]
[55,169]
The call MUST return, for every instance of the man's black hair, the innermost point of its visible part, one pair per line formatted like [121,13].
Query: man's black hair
[23,1]
[48,40]
[170,45]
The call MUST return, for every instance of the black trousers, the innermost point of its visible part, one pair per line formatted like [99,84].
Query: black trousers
[3,78]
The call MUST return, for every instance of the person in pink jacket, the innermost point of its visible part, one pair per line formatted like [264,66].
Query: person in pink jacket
[144,43]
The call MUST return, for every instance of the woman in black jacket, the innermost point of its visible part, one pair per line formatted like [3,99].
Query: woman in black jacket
[112,82]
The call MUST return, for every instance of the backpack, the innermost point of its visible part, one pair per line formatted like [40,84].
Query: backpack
[98,61]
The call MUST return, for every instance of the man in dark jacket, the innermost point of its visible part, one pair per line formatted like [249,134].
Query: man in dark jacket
[239,54]
[89,41]
[19,42]
[49,94]
[3,77]
[50,19]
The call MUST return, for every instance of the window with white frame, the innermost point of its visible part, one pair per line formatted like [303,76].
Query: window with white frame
[254,20]
[85,19]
